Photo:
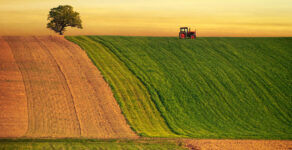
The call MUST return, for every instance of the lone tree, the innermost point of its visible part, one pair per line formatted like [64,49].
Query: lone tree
[62,17]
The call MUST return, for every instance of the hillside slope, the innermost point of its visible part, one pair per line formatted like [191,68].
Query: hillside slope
[132,95]
[204,88]
[66,95]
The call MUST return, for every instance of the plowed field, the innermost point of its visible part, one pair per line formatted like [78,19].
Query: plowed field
[13,104]
[66,94]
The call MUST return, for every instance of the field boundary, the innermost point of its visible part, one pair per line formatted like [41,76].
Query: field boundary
[145,85]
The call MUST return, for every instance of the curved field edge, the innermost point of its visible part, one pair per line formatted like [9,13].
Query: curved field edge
[213,87]
[66,96]
[134,99]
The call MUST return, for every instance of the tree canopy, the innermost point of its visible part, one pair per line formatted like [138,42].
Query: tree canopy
[62,17]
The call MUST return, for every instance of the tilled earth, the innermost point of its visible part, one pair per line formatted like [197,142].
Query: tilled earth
[50,89]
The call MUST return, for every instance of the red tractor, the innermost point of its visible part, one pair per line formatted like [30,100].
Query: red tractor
[186,33]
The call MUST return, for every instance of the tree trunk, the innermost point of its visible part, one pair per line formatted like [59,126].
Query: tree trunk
[61,31]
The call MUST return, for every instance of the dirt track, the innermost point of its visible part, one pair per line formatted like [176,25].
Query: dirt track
[238,144]
[66,94]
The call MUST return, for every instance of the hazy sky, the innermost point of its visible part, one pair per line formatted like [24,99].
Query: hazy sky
[153,17]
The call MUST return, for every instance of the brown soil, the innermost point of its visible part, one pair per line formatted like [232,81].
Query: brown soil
[13,104]
[66,94]
[51,112]
[98,112]
[238,144]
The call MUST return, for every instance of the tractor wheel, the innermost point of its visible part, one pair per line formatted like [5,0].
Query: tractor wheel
[182,36]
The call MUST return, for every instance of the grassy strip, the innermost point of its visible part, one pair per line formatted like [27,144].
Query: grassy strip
[204,88]
[41,144]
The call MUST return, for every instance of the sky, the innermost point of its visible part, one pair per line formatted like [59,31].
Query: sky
[211,18]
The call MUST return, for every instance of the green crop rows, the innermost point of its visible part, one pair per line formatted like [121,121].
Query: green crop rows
[204,88]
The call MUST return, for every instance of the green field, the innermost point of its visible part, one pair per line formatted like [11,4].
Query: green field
[204,88]
[87,144]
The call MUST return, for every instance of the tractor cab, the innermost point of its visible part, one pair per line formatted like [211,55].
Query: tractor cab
[186,33]
[184,29]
